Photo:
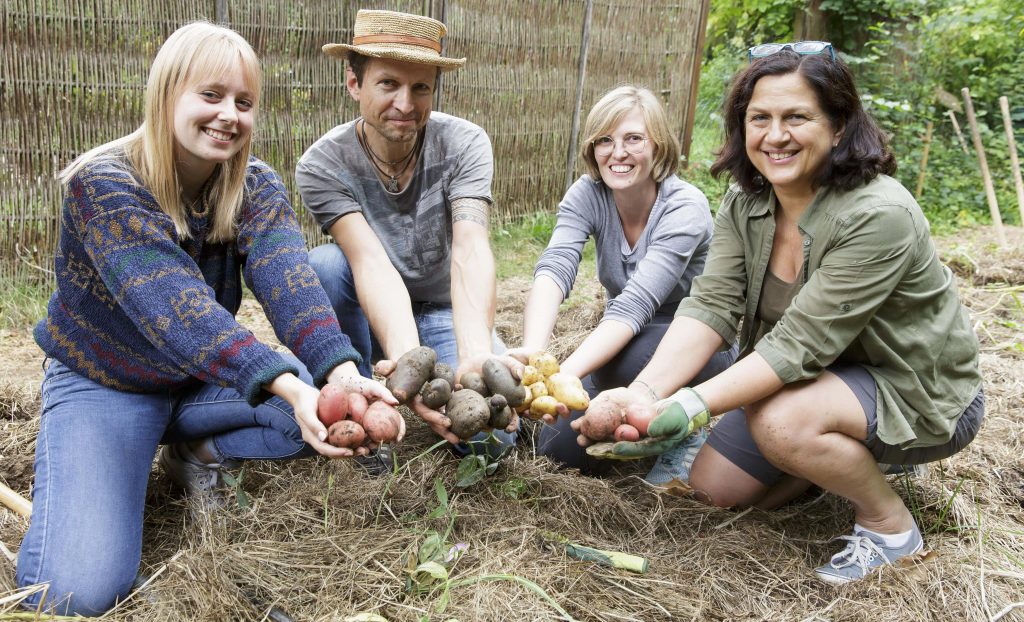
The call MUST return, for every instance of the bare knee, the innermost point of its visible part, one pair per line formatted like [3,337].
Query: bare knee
[717,481]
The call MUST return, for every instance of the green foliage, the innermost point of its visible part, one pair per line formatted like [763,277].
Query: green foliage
[902,53]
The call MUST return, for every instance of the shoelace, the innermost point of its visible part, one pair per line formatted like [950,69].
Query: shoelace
[861,551]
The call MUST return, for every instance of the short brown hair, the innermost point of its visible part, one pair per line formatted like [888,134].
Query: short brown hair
[863,150]
[609,111]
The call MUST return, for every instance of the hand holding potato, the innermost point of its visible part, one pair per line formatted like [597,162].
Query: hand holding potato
[606,413]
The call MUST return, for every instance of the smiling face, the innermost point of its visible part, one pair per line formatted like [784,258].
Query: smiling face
[620,169]
[788,136]
[212,121]
[395,97]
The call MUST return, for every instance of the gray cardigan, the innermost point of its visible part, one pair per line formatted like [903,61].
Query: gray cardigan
[654,275]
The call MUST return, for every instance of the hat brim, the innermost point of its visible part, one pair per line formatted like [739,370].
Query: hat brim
[409,54]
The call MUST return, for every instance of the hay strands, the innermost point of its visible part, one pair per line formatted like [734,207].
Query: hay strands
[613,559]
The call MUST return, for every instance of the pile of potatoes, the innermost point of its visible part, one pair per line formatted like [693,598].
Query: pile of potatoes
[352,422]
[547,387]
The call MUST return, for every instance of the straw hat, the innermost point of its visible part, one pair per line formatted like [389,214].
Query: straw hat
[400,36]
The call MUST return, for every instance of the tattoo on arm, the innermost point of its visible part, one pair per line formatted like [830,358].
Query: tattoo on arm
[473,210]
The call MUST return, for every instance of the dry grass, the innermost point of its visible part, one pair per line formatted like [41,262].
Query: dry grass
[323,541]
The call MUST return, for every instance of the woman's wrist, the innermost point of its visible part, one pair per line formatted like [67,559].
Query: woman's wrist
[347,369]
[646,389]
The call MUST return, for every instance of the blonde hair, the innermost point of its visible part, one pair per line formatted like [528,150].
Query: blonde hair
[196,51]
[610,110]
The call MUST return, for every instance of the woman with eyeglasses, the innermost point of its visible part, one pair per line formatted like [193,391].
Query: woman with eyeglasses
[855,349]
[652,232]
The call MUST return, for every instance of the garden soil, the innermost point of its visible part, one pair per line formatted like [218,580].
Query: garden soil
[321,540]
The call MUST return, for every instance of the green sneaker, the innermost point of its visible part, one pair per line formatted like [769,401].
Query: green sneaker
[864,553]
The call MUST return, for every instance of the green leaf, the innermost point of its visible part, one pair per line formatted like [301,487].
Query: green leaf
[431,549]
[470,471]
[434,570]
[442,494]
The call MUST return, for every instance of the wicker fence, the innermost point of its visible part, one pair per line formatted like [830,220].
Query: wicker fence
[72,75]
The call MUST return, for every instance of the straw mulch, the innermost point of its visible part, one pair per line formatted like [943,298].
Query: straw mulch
[323,541]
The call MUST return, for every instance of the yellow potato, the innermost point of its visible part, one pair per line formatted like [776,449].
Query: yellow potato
[538,389]
[526,403]
[531,375]
[544,405]
[568,390]
[545,363]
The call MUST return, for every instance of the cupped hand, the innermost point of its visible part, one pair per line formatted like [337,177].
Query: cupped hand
[622,397]
[437,420]
[476,364]
[304,405]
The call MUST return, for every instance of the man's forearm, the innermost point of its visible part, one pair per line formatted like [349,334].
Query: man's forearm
[473,279]
[385,302]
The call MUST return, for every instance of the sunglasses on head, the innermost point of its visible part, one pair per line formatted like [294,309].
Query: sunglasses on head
[800,47]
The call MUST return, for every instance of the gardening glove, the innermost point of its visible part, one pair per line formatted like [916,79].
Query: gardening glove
[679,416]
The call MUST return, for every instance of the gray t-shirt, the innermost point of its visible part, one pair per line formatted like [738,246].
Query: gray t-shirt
[335,177]
[652,276]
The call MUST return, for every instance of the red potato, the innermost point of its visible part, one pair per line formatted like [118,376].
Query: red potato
[626,432]
[346,433]
[357,406]
[382,423]
[639,416]
[333,405]
[601,420]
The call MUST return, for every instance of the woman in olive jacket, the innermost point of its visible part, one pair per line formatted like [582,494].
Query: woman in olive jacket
[855,349]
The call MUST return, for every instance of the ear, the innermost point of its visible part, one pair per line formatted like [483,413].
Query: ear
[838,136]
[351,83]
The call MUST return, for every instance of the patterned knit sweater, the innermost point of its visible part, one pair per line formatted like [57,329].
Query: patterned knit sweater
[139,310]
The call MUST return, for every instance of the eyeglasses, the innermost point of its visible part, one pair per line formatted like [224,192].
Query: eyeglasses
[632,143]
[803,48]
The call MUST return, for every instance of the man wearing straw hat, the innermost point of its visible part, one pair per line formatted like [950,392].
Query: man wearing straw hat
[405,193]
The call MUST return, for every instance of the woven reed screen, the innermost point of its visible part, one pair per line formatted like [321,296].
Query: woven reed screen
[72,75]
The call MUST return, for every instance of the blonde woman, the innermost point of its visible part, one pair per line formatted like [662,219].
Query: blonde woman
[652,232]
[158,229]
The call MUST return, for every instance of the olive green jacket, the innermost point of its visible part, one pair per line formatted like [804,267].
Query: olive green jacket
[875,294]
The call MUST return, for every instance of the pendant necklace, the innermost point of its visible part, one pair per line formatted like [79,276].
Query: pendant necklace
[392,183]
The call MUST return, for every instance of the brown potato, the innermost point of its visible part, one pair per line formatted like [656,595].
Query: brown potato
[382,423]
[500,381]
[346,433]
[412,370]
[474,382]
[436,393]
[468,412]
[501,413]
[443,370]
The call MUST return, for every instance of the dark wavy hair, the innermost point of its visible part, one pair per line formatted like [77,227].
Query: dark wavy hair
[863,151]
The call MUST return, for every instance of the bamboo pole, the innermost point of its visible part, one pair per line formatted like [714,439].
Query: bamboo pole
[986,177]
[1004,105]
[959,134]
[570,159]
[924,159]
[15,502]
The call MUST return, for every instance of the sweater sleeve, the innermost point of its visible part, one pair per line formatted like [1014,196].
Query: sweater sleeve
[160,288]
[573,225]
[680,235]
[278,273]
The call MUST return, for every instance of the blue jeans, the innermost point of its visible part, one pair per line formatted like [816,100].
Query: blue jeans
[433,322]
[93,457]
